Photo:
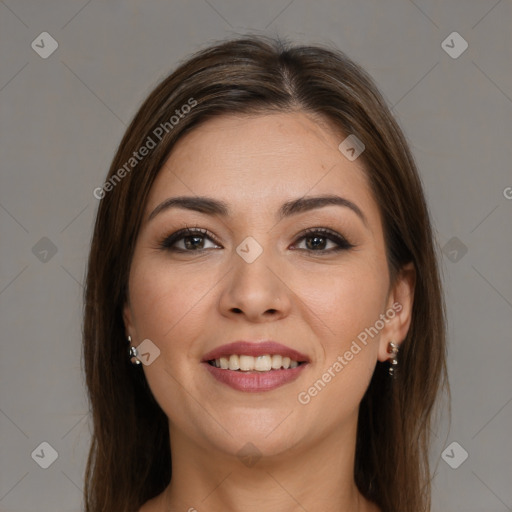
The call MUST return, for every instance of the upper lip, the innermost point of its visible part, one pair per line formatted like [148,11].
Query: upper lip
[255,349]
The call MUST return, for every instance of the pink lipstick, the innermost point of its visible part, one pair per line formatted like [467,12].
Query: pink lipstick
[255,367]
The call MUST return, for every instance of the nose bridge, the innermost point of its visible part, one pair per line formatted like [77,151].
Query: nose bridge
[251,261]
[253,288]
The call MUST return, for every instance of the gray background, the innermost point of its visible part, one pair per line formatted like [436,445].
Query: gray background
[63,116]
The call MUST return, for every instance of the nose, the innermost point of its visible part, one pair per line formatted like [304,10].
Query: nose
[255,290]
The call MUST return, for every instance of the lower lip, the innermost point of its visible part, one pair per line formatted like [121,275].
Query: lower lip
[255,381]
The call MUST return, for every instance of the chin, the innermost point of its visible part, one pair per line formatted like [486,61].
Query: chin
[241,431]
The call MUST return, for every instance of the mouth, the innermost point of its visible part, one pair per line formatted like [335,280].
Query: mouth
[255,367]
[264,363]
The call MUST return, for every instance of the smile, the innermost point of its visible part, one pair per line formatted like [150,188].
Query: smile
[264,363]
[255,366]
[255,374]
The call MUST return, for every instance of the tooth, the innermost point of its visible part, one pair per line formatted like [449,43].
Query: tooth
[263,363]
[277,361]
[234,362]
[246,363]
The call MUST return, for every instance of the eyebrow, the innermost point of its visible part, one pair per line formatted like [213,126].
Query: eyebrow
[210,206]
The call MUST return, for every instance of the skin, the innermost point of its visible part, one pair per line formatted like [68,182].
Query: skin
[317,302]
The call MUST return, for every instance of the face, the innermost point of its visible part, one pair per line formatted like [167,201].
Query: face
[263,263]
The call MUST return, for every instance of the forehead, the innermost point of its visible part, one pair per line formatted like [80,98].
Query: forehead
[261,161]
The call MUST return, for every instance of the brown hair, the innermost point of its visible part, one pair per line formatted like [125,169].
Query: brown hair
[129,460]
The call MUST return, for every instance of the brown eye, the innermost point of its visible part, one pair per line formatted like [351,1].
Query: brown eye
[193,240]
[318,238]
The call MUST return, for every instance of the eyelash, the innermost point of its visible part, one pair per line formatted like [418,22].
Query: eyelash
[343,244]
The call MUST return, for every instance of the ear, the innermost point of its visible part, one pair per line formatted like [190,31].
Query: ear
[398,310]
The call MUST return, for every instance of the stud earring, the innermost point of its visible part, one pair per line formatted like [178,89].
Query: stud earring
[132,353]
[393,350]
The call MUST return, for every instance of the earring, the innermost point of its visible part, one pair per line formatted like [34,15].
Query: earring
[132,353]
[393,350]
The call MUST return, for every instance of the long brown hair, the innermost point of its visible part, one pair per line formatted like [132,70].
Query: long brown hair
[129,460]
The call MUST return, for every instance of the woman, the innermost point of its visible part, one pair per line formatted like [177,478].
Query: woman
[263,248]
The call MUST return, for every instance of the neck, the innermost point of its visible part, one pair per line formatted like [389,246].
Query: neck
[316,477]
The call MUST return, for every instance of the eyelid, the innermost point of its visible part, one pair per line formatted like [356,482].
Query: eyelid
[171,239]
[340,240]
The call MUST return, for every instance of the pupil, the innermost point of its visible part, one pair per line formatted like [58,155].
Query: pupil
[316,244]
[188,244]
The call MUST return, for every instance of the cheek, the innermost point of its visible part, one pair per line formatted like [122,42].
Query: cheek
[168,307]
[346,299]
[166,300]
[345,305]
